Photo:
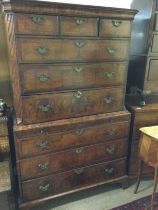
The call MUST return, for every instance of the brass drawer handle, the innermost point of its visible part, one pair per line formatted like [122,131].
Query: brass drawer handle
[44,188]
[108,99]
[109,75]
[111,50]
[111,132]
[42,50]
[79,131]
[78,150]
[116,23]
[109,171]
[79,20]
[78,68]
[42,144]
[45,107]
[110,151]
[37,19]
[43,166]
[78,94]
[43,78]
[79,171]
[80,44]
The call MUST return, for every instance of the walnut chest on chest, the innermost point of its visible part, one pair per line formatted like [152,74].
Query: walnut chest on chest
[68,67]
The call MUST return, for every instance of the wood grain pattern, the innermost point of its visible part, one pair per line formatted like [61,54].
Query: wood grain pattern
[80,136]
[35,24]
[115,28]
[42,108]
[53,50]
[69,180]
[63,125]
[45,78]
[78,26]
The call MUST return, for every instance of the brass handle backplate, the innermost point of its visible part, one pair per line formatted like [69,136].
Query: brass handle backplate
[110,150]
[43,78]
[116,23]
[78,68]
[37,19]
[42,50]
[45,107]
[79,131]
[108,99]
[42,144]
[78,150]
[45,187]
[110,171]
[109,75]
[77,96]
[79,171]
[80,44]
[43,166]
[80,20]
[111,50]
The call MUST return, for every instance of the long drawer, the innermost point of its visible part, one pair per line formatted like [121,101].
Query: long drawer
[51,50]
[42,108]
[68,159]
[53,142]
[42,78]
[74,179]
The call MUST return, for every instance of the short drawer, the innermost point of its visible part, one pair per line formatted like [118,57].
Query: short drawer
[115,28]
[155,44]
[74,179]
[153,70]
[42,78]
[35,24]
[43,108]
[68,159]
[78,26]
[53,142]
[51,50]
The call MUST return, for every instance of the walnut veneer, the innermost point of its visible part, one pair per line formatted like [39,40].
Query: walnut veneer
[68,66]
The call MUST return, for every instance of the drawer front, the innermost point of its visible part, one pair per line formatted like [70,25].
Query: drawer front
[50,50]
[36,24]
[153,72]
[80,156]
[78,26]
[42,108]
[115,28]
[42,78]
[155,44]
[146,118]
[45,143]
[74,179]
